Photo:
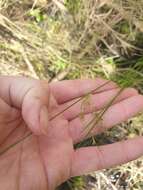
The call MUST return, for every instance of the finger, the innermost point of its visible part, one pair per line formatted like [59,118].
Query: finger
[29,95]
[116,114]
[70,89]
[96,158]
[93,102]
[35,109]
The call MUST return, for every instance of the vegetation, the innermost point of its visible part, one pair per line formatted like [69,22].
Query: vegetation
[67,39]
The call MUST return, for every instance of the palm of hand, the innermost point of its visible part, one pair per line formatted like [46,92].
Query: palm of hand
[37,160]
[43,162]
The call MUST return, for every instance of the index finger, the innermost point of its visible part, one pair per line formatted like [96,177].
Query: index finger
[67,90]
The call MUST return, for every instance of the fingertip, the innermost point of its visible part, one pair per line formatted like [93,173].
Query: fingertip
[105,85]
[101,80]
[140,99]
[132,91]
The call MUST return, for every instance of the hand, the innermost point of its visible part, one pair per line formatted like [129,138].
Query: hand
[47,158]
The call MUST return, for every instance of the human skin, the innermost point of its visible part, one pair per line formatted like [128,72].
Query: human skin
[47,158]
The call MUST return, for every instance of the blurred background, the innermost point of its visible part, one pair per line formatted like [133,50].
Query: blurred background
[68,39]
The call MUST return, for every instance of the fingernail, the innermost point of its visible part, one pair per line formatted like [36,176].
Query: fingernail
[44,120]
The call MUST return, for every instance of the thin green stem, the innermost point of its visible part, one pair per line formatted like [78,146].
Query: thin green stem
[89,127]
[80,99]
[14,144]
[53,117]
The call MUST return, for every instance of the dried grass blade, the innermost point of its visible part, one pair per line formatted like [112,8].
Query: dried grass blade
[30,134]
[80,99]
[89,127]
[14,144]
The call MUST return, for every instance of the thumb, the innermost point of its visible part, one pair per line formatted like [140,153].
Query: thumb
[31,97]
[35,109]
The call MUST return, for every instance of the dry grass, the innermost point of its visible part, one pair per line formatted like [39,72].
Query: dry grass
[61,39]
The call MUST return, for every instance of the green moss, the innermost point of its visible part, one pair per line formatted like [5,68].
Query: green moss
[73,5]
[37,15]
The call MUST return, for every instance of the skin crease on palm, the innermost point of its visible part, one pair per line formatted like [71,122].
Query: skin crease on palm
[47,158]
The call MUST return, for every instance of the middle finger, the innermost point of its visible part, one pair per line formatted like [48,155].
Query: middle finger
[93,103]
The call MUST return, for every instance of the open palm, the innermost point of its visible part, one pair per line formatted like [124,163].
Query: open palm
[47,158]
